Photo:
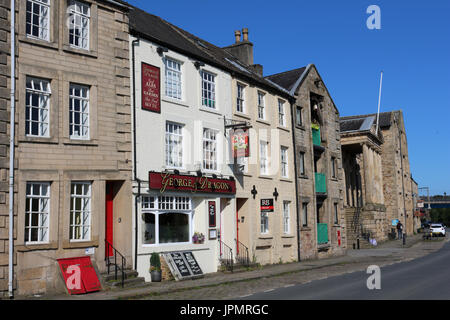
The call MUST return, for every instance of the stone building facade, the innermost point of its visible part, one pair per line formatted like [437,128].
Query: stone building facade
[73,138]
[364,198]
[269,172]
[320,176]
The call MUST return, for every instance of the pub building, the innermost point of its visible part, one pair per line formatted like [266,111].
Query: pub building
[183,187]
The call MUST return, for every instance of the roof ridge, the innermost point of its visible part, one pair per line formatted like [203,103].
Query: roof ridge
[365,115]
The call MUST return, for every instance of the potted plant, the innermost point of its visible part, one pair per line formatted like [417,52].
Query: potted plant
[155,267]
[198,237]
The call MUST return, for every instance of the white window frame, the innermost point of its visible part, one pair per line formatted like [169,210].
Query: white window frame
[286,217]
[208,89]
[173,79]
[302,166]
[84,111]
[174,145]
[333,168]
[42,89]
[210,150]
[305,214]
[158,205]
[79,20]
[264,223]
[299,112]
[43,19]
[281,114]
[284,162]
[240,98]
[43,212]
[263,157]
[261,106]
[85,212]
[336,213]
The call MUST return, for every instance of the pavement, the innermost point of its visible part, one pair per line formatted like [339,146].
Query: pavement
[237,285]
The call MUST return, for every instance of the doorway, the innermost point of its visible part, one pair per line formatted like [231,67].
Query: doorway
[241,223]
[109,218]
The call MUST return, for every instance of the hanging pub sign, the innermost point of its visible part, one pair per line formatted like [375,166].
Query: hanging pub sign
[240,143]
[267,205]
[166,181]
[212,213]
[151,88]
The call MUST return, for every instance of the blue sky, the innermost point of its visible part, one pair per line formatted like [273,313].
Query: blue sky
[412,49]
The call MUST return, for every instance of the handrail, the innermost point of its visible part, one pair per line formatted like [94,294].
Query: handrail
[242,253]
[226,256]
[116,266]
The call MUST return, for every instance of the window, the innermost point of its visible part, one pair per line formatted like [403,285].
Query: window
[302,164]
[261,107]
[264,222]
[209,149]
[37,107]
[240,98]
[174,145]
[263,157]
[286,218]
[168,222]
[333,167]
[79,112]
[38,19]
[37,209]
[79,18]
[281,115]
[80,211]
[173,79]
[299,116]
[208,90]
[305,214]
[336,214]
[284,162]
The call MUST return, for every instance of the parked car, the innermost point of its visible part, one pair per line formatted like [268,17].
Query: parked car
[437,229]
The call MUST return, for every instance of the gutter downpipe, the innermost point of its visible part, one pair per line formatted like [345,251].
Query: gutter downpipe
[11,152]
[133,43]
[296,180]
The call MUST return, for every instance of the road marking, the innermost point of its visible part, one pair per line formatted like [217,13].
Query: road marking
[289,285]
[270,290]
[248,295]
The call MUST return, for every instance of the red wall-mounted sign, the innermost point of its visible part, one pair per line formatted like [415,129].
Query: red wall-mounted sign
[79,275]
[339,237]
[240,143]
[165,181]
[151,88]
[267,205]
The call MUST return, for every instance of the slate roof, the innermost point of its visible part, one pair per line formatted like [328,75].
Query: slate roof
[354,123]
[164,33]
[287,79]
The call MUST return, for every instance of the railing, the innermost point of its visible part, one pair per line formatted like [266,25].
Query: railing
[322,233]
[242,254]
[108,247]
[356,216]
[321,183]
[226,255]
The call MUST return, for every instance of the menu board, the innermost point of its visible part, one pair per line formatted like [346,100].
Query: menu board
[192,263]
[183,265]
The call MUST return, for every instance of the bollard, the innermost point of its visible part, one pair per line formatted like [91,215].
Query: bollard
[404,238]
[357,243]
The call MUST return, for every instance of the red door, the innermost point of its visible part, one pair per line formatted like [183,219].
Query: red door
[109,218]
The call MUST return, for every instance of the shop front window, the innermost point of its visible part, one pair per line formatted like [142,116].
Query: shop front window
[166,220]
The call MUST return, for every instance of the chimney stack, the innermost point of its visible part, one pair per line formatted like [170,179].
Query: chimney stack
[245,34]
[242,50]
[237,34]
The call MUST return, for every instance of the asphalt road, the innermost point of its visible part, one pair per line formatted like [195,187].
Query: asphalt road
[421,279]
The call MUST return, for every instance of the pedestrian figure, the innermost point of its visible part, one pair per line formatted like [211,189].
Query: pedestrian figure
[399,230]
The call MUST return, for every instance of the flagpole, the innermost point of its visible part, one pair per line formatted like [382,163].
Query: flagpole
[379,103]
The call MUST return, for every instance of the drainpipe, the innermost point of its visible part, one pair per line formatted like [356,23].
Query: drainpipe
[296,178]
[11,152]
[135,176]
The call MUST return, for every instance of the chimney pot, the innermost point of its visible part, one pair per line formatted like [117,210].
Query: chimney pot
[237,34]
[245,33]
